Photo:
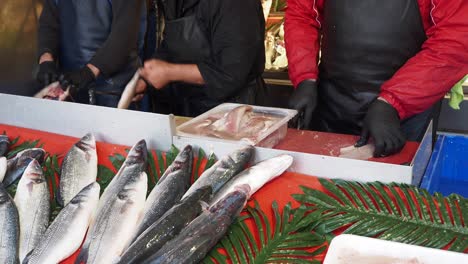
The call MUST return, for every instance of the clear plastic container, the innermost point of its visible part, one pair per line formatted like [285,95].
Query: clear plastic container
[267,139]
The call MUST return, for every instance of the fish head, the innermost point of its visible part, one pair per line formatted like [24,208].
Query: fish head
[89,194]
[34,153]
[232,203]
[278,164]
[132,191]
[34,173]
[138,154]
[87,143]
[183,159]
[243,155]
[23,162]
[4,138]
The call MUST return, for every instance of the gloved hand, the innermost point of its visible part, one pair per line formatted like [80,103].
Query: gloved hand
[383,124]
[48,73]
[304,100]
[77,80]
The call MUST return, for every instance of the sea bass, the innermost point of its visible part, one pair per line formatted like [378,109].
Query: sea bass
[67,231]
[4,144]
[256,176]
[167,227]
[33,202]
[18,164]
[3,167]
[9,225]
[170,188]
[79,169]
[202,234]
[223,170]
[119,211]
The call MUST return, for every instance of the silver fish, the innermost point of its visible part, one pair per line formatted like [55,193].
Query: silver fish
[17,164]
[3,167]
[4,144]
[256,176]
[170,188]
[66,233]
[33,202]
[202,234]
[119,211]
[79,169]
[223,170]
[9,225]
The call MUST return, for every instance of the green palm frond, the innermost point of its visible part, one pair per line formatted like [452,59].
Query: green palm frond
[396,212]
[284,240]
[51,173]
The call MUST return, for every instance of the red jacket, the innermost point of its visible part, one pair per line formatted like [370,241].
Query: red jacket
[418,84]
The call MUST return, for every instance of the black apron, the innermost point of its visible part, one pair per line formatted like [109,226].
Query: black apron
[364,43]
[186,40]
[84,27]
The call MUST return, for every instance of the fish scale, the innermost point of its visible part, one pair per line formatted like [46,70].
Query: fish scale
[9,226]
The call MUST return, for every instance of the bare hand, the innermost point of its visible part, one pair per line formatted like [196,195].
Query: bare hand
[157,72]
[139,90]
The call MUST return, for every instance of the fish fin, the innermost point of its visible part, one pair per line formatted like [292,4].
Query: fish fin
[27,258]
[83,256]
[204,205]
[58,198]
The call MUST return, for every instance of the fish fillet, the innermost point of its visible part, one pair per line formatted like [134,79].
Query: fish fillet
[363,153]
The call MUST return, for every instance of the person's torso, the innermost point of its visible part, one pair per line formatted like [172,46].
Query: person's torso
[364,43]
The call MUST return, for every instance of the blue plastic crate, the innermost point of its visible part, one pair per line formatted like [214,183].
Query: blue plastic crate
[447,171]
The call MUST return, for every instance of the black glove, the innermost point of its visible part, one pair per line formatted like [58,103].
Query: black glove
[383,124]
[77,80]
[304,100]
[48,73]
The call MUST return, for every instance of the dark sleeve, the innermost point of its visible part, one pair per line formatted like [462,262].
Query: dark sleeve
[123,38]
[237,34]
[48,32]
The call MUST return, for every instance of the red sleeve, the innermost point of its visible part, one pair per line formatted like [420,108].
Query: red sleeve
[302,34]
[441,63]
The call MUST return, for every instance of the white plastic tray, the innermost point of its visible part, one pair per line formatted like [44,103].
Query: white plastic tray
[280,126]
[344,248]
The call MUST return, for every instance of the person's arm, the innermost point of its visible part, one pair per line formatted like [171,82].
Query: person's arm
[441,63]
[48,32]
[115,52]
[237,34]
[302,36]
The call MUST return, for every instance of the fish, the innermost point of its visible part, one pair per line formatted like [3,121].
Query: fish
[3,167]
[256,176]
[129,92]
[223,170]
[231,122]
[203,233]
[361,153]
[32,200]
[119,211]
[18,164]
[79,169]
[66,233]
[53,91]
[166,227]
[4,144]
[169,190]
[9,224]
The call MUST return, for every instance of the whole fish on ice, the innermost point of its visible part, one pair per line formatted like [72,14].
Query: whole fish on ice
[170,188]
[166,227]
[32,199]
[66,233]
[9,225]
[119,211]
[223,170]
[203,233]
[18,164]
[256,176]
[3,167]
[79,169]
[4,144]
